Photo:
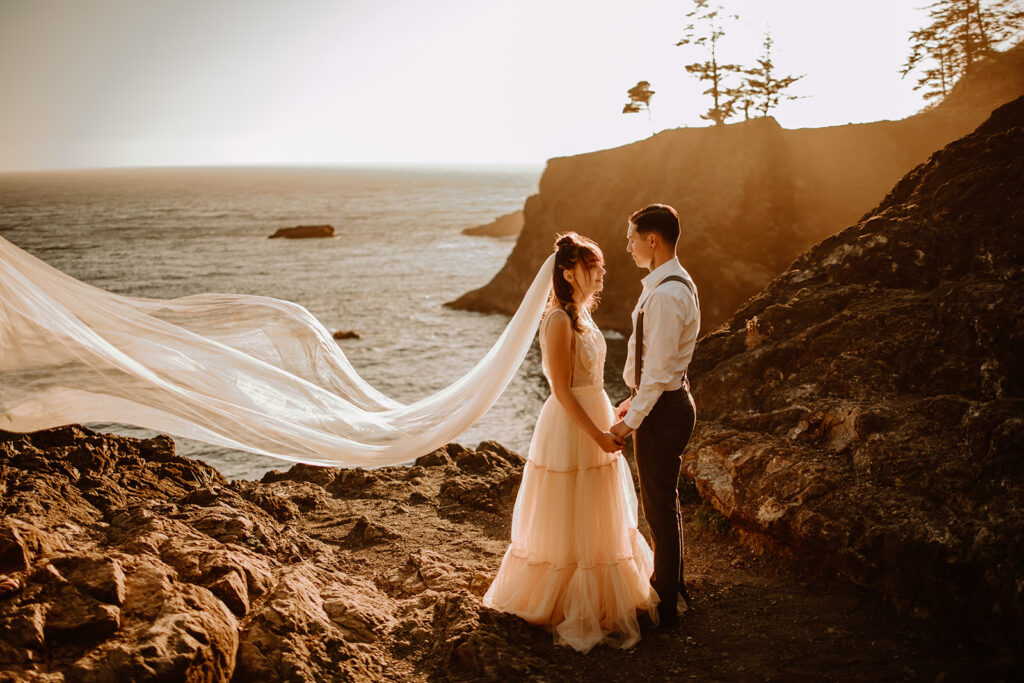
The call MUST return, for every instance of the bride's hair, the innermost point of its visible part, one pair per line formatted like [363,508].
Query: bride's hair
[572,249]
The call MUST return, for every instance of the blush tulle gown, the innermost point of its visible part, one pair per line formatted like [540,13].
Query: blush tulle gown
[576,563]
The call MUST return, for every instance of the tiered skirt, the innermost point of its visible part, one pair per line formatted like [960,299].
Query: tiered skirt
[576,562]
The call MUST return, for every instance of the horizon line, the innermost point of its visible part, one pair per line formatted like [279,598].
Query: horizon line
[284,165]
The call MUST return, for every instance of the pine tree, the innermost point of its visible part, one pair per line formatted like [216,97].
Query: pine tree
[961,33]
[640,100]
[707,36]
[761,87]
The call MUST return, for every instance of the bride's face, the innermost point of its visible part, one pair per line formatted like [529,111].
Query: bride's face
[589,279]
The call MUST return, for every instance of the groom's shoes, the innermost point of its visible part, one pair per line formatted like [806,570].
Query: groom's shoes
[668,618]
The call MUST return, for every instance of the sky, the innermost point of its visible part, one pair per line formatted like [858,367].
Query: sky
[101,83]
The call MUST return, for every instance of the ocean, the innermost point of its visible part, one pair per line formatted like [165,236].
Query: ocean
[397,257]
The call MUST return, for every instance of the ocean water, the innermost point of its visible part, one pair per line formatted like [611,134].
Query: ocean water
[397,258]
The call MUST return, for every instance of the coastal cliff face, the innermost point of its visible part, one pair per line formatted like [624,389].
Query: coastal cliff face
[867,408]
[752,196]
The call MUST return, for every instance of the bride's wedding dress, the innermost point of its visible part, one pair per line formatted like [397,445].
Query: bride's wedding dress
[576,562]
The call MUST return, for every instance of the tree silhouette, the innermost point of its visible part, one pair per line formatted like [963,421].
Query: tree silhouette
[639,100]
[706,31]
[961,33]
[761,87]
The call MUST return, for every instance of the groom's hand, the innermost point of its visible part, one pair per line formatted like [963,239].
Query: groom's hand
[623,408]
[621,429]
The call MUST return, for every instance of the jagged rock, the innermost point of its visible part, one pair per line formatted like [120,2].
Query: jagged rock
[476,644]
[315,474]
[203,562]
[304,232]
[496,449]
[295,636]
[873,417]
[75,618]
[357,483]
[22,628]
[425,570]
[284,502]
[169,631]
[20,543]
[98,576]
[367,532]
[233,591]
[438,458]
[489,493]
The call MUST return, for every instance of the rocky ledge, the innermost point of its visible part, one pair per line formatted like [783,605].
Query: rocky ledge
[509,225]
[132,563]
[129,563]
[868,406]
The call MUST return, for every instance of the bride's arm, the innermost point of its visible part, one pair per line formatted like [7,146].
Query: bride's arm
[558,345]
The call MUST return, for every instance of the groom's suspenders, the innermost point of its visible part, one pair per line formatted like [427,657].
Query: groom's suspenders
[638,356]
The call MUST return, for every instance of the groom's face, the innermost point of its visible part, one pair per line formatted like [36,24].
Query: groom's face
[639,248]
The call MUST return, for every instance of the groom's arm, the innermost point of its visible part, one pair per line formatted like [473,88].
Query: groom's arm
[665,321]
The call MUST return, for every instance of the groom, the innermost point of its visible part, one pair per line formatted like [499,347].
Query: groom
[660,412]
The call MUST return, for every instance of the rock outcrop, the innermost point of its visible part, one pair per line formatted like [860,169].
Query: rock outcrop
[508,225]
[304,232]
[132,563]
[752,196]
[867,408]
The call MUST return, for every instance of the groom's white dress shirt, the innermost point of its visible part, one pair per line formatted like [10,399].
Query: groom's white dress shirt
[671,324]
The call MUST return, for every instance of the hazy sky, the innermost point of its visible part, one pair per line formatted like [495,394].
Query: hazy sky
[90,83]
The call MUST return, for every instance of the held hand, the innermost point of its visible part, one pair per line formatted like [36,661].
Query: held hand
[623,408]
[621,430]
[609,443]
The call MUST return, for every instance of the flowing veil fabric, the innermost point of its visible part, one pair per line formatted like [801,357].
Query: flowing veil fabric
[244,372]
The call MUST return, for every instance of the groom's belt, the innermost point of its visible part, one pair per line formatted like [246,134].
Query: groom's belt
[684,383]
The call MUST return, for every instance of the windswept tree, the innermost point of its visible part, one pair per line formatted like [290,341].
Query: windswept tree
[961,33]
[762,88]
[705,31]
[640,100]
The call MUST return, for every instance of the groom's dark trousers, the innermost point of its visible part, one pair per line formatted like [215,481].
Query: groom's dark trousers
[659,443]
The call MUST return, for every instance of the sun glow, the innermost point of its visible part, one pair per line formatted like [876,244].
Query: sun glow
[115,82]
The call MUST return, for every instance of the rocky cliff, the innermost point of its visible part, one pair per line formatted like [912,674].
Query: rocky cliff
[752,196]
[867,408]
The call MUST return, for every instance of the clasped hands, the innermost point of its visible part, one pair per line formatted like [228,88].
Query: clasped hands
[616,436]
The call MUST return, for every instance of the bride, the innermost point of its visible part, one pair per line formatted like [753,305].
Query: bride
[576,562]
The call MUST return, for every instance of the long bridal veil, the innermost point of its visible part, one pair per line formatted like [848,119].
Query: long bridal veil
[245,372]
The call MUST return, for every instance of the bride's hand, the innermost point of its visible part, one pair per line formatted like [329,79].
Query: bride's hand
[609,443]
[623,408]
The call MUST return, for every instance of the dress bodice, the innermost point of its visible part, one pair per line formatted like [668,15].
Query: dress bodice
[588,369]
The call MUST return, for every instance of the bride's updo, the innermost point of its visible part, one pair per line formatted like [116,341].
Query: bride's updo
[572,249]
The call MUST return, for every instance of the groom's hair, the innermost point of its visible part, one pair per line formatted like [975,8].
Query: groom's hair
[659,218]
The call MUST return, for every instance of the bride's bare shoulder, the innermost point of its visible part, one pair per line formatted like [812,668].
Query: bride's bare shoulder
[553,314]
[555,321]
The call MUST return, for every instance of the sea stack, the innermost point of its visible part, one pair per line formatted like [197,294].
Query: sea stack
[304,232]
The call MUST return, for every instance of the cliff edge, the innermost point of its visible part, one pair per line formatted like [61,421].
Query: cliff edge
[752,196]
